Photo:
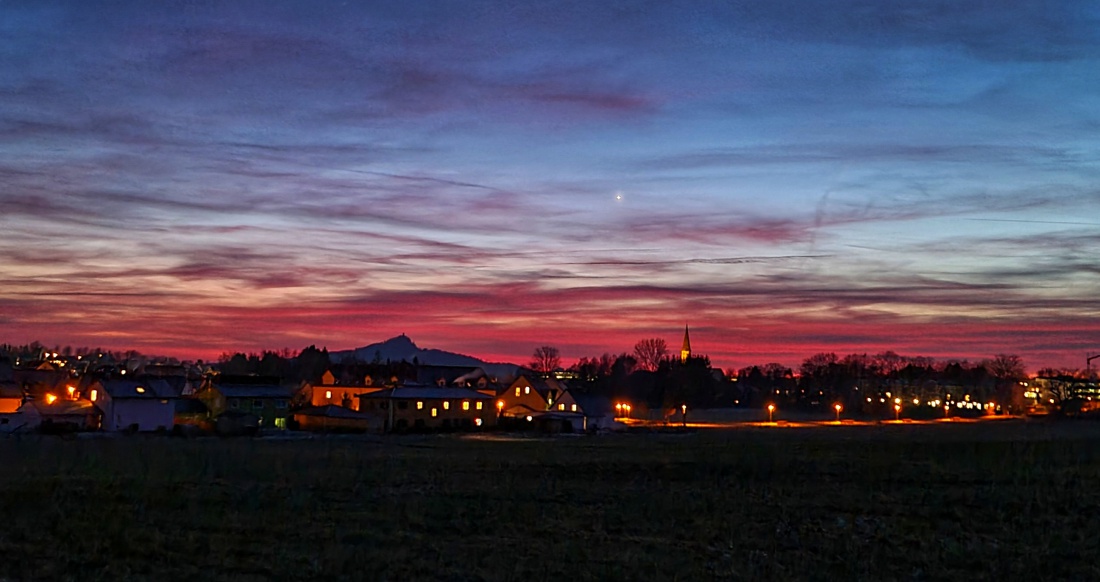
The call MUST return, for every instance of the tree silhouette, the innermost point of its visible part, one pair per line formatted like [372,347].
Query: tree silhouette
[649,352]
[546,359]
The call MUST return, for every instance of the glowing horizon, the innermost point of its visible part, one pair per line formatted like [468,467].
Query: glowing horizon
[787,179]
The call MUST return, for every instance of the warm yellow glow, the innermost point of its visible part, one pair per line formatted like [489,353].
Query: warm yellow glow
[477,422]
[916,401]
[684,408]
[526,389]
[50,399]
[93,395]
[500,405]
[479,405]
[71,389]
[897,407]
[328,394]
[420,405]
[517,390]
[549,401]
[574,407]
[446,405]
[140,390]
[465,405]
[529,419]
[897,401]
[771,408]
[561,406]
[435,412]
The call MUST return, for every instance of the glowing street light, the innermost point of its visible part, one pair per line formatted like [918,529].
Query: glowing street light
[500,407]
[684,413]
[771,409]
[837,407]
[50,399]
[897,412]
[619,409]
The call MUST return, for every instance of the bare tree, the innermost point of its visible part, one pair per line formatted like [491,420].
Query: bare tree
[1007,367]
[650,352]
[546,359]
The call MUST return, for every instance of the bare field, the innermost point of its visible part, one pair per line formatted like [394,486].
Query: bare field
[987,500]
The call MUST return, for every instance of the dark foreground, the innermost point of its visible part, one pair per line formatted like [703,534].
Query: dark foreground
[1007,500]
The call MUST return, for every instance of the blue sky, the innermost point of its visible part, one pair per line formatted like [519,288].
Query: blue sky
[787,177]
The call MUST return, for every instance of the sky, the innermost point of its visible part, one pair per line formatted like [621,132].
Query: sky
[785,177]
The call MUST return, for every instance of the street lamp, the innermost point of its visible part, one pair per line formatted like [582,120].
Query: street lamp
[838,408]
[626,407]
[619,409]
[684,413]
[897,412]
[771,409]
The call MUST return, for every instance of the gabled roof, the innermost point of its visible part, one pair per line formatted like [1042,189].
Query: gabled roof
[253,390]
[432,374]
[151,388]
[429,392]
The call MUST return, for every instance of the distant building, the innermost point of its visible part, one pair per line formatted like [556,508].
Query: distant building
[138,404]
[685,349]
[529,394]
[422,407]
[260,396]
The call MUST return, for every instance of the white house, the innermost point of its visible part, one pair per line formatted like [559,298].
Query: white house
[139,404]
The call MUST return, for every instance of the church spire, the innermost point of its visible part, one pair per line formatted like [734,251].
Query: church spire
[685,351]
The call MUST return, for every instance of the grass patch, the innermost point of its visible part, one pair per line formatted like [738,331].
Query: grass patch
[984,501]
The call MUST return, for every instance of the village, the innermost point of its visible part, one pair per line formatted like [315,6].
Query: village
[50,392]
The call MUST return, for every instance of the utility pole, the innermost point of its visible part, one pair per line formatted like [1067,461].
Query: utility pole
[1088,364]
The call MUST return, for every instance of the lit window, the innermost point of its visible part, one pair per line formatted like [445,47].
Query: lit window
[465,405]
[420,405]
[93,395]
[446,405]
[574,407]
[517,390]
[140,390]
[526,389]
[435,412]
[280,423]
[479,404]
[561,407]
[477,421]
[328,394]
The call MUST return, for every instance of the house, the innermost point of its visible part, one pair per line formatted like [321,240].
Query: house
[420,407]
[56,416]
[333,418]
[261,396]
[345,396]
[593,412]
[529,394]
[135,404]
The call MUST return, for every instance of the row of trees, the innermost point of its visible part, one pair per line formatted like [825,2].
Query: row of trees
[857,381]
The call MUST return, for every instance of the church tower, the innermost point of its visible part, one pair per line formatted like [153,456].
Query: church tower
[685,351]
